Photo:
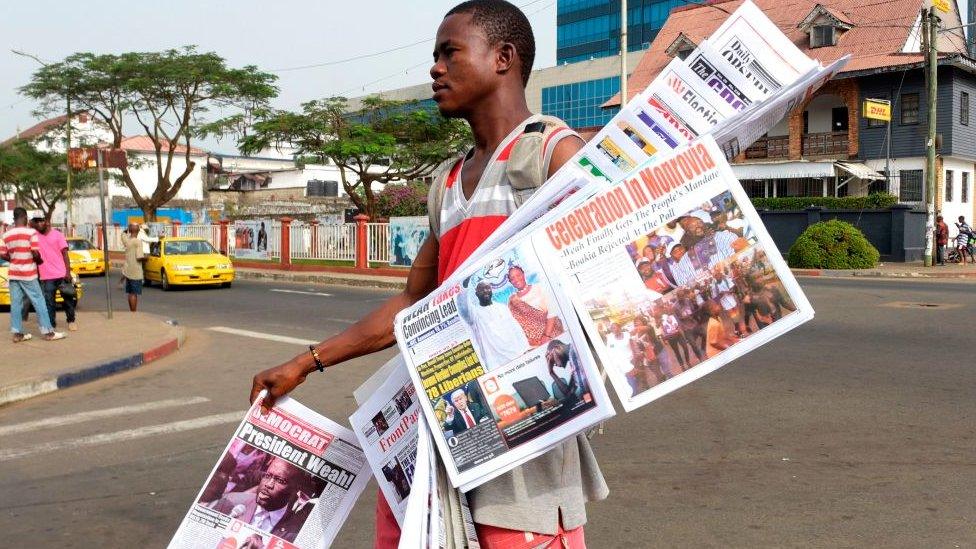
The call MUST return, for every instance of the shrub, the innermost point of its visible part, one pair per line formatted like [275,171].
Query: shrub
[832,244]
[402,200]
[874,201]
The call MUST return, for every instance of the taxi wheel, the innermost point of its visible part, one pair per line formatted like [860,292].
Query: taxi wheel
[164,281]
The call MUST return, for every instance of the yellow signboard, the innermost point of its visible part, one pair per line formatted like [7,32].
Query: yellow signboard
[877,109]
[941,5]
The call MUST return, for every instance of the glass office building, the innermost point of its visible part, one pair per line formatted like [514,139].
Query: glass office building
[587,29]
[578,103]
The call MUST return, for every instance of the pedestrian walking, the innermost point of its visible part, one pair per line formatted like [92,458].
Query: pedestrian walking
[55,272]
[20,246]
[941,240]
[132,271]
[962,240]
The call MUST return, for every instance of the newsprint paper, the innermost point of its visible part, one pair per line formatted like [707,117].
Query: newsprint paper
[386,426]
[671,271]
[287,479]
[503,366]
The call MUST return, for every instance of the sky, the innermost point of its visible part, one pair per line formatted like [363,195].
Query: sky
[271,35]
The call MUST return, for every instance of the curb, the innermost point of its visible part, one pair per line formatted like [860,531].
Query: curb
[323,277]
[841,273]
[43,385]
[363,281]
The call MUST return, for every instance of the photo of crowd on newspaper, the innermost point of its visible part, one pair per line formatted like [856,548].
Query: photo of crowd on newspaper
[262,490]
[707,284]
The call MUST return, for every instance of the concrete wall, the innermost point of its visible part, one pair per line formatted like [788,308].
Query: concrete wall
[898,233]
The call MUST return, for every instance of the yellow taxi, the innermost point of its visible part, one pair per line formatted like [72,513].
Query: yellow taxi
[85,258]
[5,286]
[187,261]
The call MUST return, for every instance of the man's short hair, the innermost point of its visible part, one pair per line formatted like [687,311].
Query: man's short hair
[502,22]
[20,213]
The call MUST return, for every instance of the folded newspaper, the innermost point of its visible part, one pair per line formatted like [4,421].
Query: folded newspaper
[288,478]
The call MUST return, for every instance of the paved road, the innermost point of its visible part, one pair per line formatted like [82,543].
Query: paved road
[856,429]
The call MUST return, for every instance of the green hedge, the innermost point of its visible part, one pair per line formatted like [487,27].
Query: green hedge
[874,201]
[832,244]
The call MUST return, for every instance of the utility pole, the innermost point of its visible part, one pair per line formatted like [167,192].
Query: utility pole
[100,165]
[930,29]
[67,149]
[623,53]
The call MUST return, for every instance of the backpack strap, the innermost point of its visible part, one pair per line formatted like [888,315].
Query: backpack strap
[445,176]
[528,165]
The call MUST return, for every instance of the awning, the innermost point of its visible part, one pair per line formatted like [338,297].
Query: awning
[783,170]
[858,170]
[798,169]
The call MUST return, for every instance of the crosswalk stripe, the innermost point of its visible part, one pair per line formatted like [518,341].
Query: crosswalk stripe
[262,335]
[119,436]
[82,417]
[323,294]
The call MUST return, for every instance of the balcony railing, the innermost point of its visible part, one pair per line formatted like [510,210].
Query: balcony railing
[770,147]
[826,144]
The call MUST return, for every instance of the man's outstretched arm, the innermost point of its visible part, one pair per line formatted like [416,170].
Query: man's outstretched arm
[372,333]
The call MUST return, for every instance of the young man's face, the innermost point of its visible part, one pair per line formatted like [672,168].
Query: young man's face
[464,65]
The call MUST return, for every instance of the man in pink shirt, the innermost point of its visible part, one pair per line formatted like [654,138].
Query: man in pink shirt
[19,247]
[55,269]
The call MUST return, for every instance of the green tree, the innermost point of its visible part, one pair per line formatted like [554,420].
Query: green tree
[38,179]
[381,141]
[166,94]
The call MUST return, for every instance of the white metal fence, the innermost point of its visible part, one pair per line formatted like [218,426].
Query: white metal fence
[378,242]
[307,242]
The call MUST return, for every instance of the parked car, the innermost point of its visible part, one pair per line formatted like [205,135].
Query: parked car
[187,261]
[5,287]
[85,258]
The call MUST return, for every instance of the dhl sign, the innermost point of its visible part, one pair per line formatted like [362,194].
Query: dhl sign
[877,109]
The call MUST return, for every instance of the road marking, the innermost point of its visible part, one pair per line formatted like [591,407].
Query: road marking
[99,414]
[119,436]
[323,294]
[261,335]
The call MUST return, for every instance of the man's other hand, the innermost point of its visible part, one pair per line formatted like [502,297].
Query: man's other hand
[279,381]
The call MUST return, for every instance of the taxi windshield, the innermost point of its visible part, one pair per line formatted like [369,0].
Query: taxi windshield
[80,245]
[189,247]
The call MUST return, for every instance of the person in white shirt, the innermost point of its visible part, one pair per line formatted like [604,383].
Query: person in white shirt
[622,354]
[497,337]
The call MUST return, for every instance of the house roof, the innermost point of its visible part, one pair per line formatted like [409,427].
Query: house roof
[879,33]
[41,128]
[142,143]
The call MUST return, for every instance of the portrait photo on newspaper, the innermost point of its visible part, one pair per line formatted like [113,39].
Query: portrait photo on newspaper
[504,371]
[287,478]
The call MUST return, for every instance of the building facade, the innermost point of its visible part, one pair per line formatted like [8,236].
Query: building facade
[826,147]
[588,29]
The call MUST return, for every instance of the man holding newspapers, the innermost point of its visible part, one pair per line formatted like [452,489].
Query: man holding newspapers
[506,419]
[482,60]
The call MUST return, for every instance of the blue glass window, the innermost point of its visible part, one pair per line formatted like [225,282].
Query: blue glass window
[578,103]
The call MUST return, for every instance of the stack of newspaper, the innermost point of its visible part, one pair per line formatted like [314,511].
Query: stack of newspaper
[644,246]
[643,252]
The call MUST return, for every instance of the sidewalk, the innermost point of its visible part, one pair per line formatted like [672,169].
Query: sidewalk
[99,348]
[897,270]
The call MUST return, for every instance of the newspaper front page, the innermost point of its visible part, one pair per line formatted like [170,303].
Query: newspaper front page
[386,426]
[672,272]
[503,365]
[287,479]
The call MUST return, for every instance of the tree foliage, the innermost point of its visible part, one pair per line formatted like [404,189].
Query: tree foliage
[409,199]
[381,141]
[38,179]
[167,95]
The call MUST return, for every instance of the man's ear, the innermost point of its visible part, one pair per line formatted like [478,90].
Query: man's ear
[506,57]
